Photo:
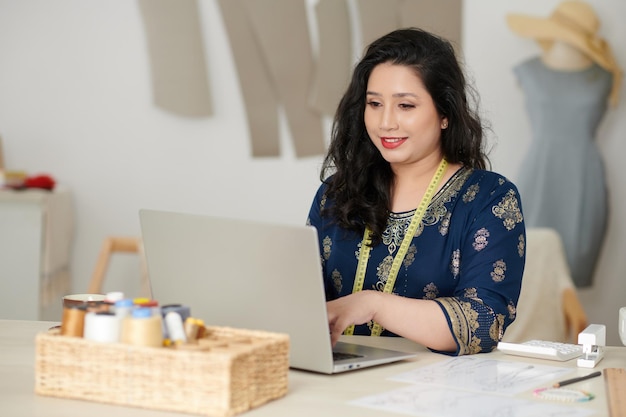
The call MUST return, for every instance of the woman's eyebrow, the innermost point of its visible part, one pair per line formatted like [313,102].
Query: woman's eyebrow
[373,93]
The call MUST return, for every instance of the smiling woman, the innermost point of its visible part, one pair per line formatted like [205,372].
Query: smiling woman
[418,239]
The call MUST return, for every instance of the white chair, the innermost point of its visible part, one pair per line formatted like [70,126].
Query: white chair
[548,307]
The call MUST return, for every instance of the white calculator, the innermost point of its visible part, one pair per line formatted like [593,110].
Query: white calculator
[542,349]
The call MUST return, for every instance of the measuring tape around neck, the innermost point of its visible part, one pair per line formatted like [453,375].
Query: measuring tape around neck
[364,254]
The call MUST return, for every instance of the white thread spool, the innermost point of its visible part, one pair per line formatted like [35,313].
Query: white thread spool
[113,296]
[102,327]
[175,327]
[184,312]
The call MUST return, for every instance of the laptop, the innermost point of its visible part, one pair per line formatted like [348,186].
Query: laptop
[250,275]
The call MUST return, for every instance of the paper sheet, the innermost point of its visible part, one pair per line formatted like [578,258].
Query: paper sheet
[484,375]
[425,400]
[473,386]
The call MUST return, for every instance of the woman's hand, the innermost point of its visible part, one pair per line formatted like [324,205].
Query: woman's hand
[422,321]
[357,308]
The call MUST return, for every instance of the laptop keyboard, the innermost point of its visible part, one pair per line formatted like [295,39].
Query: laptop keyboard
[338,356]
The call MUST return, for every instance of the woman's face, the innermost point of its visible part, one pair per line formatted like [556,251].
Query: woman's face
[400,116]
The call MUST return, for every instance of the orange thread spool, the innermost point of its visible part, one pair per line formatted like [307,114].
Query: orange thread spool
[73,321]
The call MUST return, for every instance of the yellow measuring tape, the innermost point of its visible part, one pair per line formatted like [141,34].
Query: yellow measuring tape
[359,279]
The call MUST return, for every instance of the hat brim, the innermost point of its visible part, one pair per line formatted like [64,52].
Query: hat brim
[542,30]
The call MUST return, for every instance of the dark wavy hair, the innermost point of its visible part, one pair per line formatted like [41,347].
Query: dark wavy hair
[359,180]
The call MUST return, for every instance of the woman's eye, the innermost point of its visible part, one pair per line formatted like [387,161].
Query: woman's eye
[406,106]
[373,103]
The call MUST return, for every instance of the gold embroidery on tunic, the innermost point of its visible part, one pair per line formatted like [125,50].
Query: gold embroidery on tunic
[409,258]
[521,245]
[471,293]
[455,262]
[397,225]
[430,291]
[357,252]
[437,210]
[337,280]
[464,320]
[471,193]
[382,272]
[512,310]
[444,226]
[499,268]
[481,239]
[472,318]
[508,210]
[327,244]
[496,331]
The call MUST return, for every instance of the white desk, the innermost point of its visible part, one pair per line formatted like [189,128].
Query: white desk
[309,394]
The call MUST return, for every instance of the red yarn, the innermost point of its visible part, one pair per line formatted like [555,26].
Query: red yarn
[45,182]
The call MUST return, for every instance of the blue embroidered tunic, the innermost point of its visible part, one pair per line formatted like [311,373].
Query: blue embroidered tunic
[468,255]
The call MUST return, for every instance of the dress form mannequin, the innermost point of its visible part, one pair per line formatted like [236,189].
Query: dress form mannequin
[562,182]
[563,57]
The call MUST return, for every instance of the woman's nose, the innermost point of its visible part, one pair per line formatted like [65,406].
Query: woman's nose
[388,120]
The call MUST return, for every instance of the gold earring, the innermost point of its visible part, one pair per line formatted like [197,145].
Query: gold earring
[444,124]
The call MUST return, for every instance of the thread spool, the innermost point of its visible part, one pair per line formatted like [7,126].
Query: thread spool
[102,327]
[114,296]
[110,299]
[184,312]
[142,328]
[175,328]
[152,304]
[73,321]
[194,329]
[82,299]
[123,308]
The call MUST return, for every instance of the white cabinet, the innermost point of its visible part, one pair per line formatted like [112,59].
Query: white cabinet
[36,234]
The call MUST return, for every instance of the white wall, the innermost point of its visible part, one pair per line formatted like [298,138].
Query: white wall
[75,102]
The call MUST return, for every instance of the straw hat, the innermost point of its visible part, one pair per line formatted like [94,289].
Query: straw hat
[575,23]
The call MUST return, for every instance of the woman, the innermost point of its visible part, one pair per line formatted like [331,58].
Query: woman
[417,238]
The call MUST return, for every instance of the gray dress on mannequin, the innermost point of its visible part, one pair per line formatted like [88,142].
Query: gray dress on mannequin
[562,183]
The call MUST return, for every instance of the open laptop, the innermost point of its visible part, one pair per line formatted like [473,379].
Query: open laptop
[250,275]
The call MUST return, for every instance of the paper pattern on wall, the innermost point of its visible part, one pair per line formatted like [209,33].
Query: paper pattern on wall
[274,59]
[377,18]
[334,58]
[257,87]
[281,28]
[180,82]
[430,15]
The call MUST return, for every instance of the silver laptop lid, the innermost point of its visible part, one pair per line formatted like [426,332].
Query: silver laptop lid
[244,274]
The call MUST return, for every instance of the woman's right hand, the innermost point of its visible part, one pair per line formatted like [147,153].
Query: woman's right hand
[353,309]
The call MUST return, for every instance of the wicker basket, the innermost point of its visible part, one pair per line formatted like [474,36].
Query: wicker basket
[241,369]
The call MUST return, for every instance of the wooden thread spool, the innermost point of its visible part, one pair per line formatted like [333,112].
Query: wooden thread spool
[143,328]
[73,321]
